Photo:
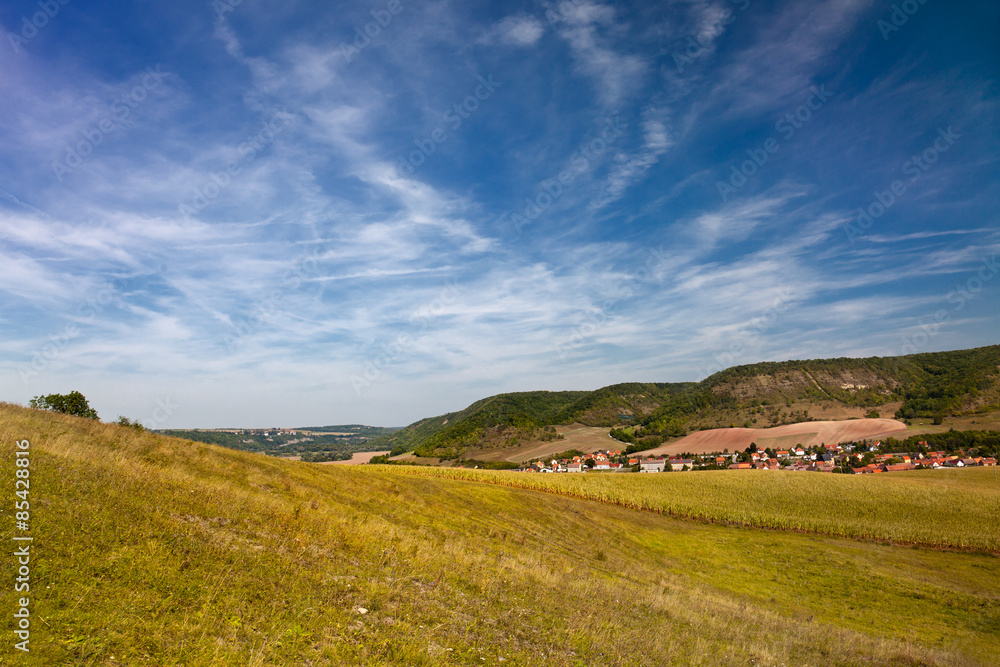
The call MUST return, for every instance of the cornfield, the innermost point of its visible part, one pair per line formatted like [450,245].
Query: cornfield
[955,509]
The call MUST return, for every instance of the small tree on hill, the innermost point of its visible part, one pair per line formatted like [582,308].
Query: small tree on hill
[74,403]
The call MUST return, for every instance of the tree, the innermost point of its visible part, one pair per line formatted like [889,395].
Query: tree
[590,463]
[74,403]
[668,467]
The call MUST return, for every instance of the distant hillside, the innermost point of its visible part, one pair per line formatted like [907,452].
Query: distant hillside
[618,403]
[928,386]
[505,420]
[498,420]
[354,429]
[768,394]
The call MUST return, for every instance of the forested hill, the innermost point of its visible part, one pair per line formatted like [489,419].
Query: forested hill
[924,385]
[929,385]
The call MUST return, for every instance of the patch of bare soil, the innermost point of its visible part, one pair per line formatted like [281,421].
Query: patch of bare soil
[806,434]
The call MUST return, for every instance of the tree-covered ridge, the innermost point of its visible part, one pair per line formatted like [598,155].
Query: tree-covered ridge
[953,382]
[507,419]
[925,385]
[499,419]
[948,375]
[626,402]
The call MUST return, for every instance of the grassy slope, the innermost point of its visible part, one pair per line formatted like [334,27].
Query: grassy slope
[940,508]
[166,552]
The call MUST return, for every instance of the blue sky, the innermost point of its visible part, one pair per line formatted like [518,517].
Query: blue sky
[254,213]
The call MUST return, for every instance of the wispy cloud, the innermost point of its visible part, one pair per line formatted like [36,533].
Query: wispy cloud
[515,30]
[313,251]
[616,75]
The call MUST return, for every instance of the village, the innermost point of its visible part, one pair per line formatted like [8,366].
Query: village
[852,458]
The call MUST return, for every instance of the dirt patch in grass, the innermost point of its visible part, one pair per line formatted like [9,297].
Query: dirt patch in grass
[357,458]
[413,458]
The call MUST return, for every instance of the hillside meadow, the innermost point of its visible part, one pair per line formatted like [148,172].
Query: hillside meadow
[157,551]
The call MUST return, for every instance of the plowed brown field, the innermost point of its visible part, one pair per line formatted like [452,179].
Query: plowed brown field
[806,434]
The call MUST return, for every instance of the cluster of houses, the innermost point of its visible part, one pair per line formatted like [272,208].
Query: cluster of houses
[613,461]
[825,459]
[930,460]
[266,432]
[602,460]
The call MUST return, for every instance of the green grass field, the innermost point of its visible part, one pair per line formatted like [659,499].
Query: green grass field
[155,551]
[941,508]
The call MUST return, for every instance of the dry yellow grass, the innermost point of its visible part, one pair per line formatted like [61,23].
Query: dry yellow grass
[157,551]
[941,508]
